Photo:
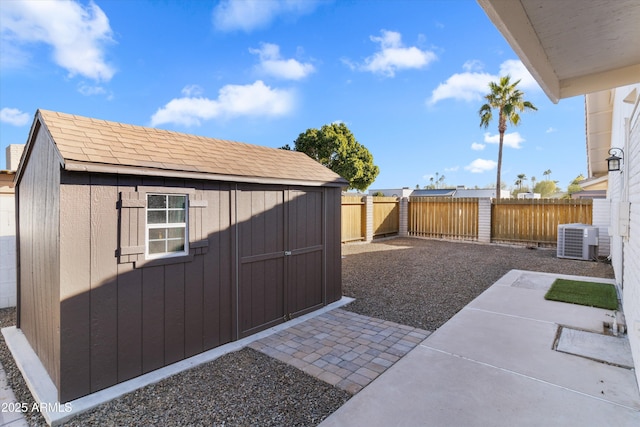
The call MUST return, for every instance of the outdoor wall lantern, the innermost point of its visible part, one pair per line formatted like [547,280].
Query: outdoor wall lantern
[614,162]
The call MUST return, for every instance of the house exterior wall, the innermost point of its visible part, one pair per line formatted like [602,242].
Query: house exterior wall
[38,205]
[624,194]
[7,241]
[122,317]
[601,218]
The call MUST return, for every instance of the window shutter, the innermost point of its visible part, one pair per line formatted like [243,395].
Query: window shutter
[132,211]
[132,206]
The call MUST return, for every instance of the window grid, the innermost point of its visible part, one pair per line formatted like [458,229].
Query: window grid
[166,234]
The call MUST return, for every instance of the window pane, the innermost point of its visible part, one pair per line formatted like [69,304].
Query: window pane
[176,233]
[176,216]
[155,201]
[157,247]
[157,217]
[177,202]
[175,245]
[157,233]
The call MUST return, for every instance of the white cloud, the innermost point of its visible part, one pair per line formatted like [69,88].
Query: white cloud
[463,86]
[248,15]
[256,99]
[477,147]
[88,90]
[77,34]
[393,57]
[472,85]
[192,91]
[480,166]
[473,65]
[516,69]
[551,130]
[272,64]
[14,117]
[452,169]
[512,139]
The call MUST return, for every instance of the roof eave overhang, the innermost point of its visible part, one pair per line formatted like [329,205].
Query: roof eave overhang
[79,166]
[511,19]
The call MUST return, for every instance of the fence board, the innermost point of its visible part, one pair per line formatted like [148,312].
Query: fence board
[443,217]
[386,216]
[536,220]
[353,217]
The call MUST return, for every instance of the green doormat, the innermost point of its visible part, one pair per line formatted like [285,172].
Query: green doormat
[601,295]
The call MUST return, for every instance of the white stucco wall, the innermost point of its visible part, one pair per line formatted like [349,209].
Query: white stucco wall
[602,220]
[624,195]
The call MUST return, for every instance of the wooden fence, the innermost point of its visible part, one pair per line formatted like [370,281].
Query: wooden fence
[536,221]
[443,217]
[386,216]
[353,218]
[532,221]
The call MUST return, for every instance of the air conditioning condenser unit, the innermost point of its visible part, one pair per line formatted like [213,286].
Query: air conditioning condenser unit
[578,241]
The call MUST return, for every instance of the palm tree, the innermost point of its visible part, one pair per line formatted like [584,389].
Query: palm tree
[522,178]
[518,183]
[547,173]
[533,183]
[508,100]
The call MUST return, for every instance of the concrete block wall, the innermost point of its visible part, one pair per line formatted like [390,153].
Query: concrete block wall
[484,220]
[13,153]
[368,203]
[7,251]
[404,217]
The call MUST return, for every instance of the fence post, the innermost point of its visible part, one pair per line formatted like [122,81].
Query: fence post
[368,207]
[484,220]
[404,217]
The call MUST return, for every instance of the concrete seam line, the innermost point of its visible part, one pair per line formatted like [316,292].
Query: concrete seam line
[529,377]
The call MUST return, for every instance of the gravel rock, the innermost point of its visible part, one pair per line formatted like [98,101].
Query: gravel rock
[423,282]
[14,377]
[415,282]
[244,388]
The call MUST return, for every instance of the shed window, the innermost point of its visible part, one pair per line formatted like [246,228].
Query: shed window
[167,233]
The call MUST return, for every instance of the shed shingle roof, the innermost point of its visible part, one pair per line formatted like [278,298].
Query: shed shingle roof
[100,145]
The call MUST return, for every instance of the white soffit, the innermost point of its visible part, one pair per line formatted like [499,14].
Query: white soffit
[572,47]
[599,113]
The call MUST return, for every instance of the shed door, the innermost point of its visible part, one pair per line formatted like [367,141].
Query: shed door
[281,256]
[305,265]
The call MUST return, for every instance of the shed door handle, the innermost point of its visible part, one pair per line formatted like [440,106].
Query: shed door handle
[287,253]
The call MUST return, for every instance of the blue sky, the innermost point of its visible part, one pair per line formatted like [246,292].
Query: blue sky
[407,77]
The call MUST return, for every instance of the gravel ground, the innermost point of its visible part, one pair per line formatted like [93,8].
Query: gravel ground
[244,388]
[423,283]
[420,283]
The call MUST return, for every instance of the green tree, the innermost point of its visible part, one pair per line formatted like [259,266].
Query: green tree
[518,183]
[547,173]
[574,186]
[521,179]
[509,101]
[546,188]
[335,147]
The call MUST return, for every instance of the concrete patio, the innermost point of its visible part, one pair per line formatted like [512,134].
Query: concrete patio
[495,363]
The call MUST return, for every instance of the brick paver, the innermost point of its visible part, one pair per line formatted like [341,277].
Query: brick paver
[342,348]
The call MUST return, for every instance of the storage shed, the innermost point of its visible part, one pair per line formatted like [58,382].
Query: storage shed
[139,247]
